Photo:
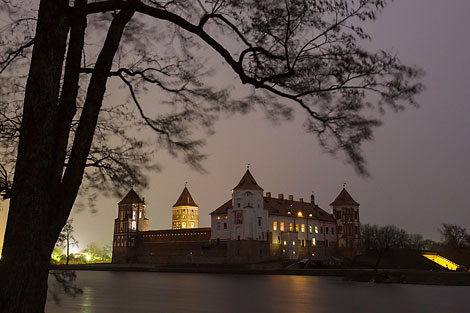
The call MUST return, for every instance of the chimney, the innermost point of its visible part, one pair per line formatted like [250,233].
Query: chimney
[301,200]
[268,194]
[291,197]
[280,196]
[312,198]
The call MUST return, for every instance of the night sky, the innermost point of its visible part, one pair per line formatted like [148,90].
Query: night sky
[419,159]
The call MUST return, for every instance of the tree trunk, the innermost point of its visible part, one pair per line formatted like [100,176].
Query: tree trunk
[27,243]
[68,250]
[41,198]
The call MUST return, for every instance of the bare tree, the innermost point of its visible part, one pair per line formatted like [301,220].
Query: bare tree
[67,239]
[454,236]
[381,240]
[304,54]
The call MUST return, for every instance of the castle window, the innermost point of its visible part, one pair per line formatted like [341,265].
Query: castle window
[316,229]
[332,230]
[184,217]
[321,229]
[285,242]
[293,243]
[326,230]
[238,204]
[282,226]
[310,229]
[183,225]
[225,225]
[340,229]
[259,221]
[140,214]
[278,239]
[225,217]
[314,242]
[297,227]
[326,242]
[291,227]
[192,224]
[274,225]
[303,243]
[238,218]
[302,228]
[356,230]
[218,218]
[356,215]
[338,215]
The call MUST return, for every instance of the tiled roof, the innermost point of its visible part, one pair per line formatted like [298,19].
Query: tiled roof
[247,182]
[185,199]
[131,198]
[223,208]
[344,198]
[282,207]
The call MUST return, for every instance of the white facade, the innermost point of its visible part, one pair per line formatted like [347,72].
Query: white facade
[247,219]
[219,227]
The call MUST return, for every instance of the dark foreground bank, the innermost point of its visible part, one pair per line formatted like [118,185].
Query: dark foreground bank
[362,275]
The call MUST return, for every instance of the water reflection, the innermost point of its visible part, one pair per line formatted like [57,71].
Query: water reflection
[193,293]
[87,300]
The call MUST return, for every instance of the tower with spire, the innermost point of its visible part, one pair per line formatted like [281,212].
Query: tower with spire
[346,212]
[130,221]
[185,212]
[247,217]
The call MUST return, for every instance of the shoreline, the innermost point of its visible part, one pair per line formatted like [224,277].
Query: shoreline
[397,276]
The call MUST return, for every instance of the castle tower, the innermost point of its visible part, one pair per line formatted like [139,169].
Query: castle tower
[131,219]
[247,217]
[185,212]
[346,212]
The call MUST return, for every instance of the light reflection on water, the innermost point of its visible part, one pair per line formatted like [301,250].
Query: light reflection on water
[106,292]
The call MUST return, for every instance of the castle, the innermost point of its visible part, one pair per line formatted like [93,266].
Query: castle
[250,227]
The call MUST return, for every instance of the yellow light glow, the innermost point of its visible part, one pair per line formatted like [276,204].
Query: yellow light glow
[299,214]
[218,218]
[87,257]
[289,212]
[441,261]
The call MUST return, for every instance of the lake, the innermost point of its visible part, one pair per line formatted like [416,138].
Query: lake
[140,292]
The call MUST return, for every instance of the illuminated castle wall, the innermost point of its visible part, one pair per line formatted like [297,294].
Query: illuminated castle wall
[250,227]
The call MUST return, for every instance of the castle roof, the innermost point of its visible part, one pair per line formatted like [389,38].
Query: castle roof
[131,198]
[185,199]
[284,207]
[344,198]
[247,182]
